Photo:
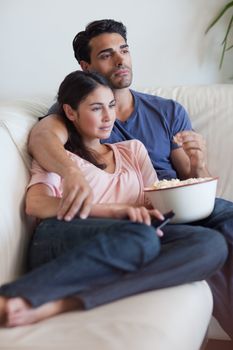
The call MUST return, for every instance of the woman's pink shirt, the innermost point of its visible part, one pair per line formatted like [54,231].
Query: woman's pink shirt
[133,172]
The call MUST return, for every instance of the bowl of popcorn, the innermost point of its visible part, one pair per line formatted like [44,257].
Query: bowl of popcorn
[191,200]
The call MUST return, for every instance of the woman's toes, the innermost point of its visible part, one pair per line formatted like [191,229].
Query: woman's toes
[15,305]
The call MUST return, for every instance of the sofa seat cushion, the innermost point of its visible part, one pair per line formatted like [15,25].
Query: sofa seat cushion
[169,319]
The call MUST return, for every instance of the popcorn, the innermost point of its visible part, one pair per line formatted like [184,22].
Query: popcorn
[158,185]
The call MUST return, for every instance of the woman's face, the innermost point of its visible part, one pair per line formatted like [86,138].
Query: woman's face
[96,114]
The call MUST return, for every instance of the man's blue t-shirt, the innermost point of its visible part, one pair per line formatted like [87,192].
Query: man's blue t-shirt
[154,121]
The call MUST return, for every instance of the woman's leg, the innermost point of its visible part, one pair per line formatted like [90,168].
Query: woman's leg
[188,254]
[53,238]
[116,247]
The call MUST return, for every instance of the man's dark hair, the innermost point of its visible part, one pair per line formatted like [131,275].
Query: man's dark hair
[81,41]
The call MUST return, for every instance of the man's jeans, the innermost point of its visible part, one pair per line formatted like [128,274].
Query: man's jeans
[221,283]
[101,260]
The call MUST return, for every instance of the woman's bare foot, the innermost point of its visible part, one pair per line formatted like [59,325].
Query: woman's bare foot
[3,303]
[19,312]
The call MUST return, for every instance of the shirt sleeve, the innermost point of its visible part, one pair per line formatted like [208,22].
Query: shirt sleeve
[149,175]
[180,122]
[41,176]
[54,109]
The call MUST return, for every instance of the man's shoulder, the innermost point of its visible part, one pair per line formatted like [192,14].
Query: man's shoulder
[54,109]
[155,100]
[150,97]
[164,107]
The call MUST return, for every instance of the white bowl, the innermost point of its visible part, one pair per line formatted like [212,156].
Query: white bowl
[190,202]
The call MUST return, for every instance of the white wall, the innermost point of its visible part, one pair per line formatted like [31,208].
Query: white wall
[167,41]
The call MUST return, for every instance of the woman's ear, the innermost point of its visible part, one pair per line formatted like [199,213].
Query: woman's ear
[70,112]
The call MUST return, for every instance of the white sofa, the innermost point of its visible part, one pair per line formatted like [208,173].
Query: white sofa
[169,319]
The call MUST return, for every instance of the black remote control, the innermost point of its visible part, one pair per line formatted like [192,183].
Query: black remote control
[160,223]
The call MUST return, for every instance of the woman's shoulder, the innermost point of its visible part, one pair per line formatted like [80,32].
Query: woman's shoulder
[132,146]
[77,159]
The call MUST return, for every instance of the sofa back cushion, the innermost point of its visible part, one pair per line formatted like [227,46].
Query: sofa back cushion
[211,111]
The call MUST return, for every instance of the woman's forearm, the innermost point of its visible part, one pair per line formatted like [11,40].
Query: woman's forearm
[42,206]
[109,210]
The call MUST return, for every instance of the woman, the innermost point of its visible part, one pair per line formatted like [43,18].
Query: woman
[67,259]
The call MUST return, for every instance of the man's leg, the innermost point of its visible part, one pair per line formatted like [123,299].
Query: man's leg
[221,282]
[187,254]
[90,252]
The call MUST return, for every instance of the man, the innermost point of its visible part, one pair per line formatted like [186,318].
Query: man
[157,122]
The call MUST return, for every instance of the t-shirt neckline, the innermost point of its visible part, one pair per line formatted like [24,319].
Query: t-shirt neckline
[133,114]
[117,159]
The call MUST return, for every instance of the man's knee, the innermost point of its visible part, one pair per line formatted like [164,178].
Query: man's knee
[223,211]
[213,247]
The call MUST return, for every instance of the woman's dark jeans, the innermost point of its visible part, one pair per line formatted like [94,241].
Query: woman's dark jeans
[66,258]
[101,260]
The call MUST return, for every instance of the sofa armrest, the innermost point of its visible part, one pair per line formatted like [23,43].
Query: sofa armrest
[16,120]
[14,226]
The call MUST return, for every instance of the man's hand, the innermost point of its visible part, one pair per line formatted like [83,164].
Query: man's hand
[194,146]
[77,196]
[46,144]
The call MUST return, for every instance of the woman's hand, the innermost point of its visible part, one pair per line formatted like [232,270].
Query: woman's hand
[138,214]
[126,211]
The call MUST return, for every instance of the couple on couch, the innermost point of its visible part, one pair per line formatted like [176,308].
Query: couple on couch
[95,237]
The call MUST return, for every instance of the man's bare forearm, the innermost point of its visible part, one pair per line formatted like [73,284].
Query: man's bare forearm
[46,145]
[50,153]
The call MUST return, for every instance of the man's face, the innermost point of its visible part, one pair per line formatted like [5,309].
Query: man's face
[110,57]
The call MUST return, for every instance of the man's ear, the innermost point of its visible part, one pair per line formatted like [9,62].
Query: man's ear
[70,113]
[85,66]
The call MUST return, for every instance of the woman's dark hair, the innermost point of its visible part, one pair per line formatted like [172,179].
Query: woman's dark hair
[75,88]
[81,41]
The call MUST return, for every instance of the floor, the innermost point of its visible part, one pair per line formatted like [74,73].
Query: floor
[219,345]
